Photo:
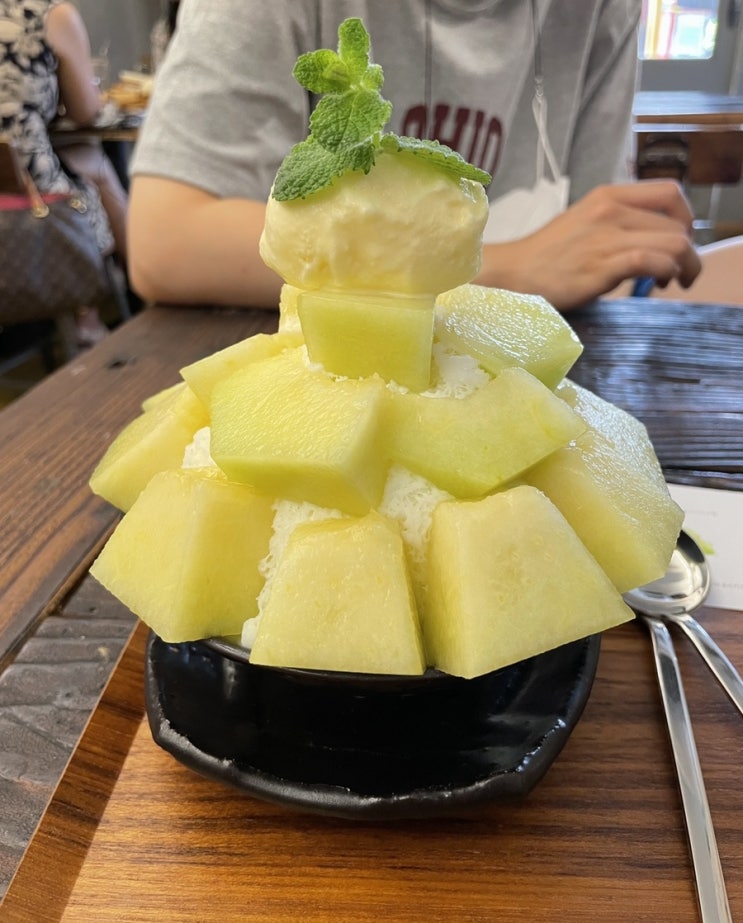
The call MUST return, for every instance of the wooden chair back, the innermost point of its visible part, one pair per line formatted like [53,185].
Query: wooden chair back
[704,155]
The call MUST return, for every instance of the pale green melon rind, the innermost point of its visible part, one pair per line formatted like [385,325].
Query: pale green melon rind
[185,557]
[472,445]
[362,334]
[610,487]
[341,599]
[202,375]
[152,442]
[295,432]
[503,329]
[509,579]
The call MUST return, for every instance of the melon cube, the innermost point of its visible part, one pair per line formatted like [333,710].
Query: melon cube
[202,375]
[504,329]
[149,402]
[509,579]
[154,441]
[610,488]
[471,445]
[361,334]
[288,305]
[293,431]
[185,557]
[340,599]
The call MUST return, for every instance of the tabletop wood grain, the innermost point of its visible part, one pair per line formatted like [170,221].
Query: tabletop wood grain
[130,834]
[133,835]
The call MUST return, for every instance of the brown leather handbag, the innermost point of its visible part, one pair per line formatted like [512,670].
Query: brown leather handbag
[50,263]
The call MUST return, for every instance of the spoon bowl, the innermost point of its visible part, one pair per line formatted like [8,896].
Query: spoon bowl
[673,598]
[683,587]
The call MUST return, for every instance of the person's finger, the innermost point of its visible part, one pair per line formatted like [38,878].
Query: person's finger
[660,256]
[656,196]
[632,219]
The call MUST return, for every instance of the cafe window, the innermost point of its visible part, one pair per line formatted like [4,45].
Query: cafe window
[691,45]
[678,31]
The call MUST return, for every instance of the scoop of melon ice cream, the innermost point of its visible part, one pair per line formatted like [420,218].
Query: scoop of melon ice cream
[406,226]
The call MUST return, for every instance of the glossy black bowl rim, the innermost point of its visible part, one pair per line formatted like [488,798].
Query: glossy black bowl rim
[241,654]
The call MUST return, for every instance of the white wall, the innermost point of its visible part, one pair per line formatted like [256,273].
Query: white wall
[124,25]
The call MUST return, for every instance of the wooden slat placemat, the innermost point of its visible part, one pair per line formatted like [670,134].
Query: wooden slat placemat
[678,367]
[132,835]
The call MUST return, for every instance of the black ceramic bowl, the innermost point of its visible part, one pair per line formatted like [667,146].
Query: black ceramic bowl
[358,745]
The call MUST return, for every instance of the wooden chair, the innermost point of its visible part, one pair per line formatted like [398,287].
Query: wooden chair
[694,155]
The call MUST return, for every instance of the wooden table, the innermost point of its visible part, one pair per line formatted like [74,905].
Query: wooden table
[130,834]
[688,107]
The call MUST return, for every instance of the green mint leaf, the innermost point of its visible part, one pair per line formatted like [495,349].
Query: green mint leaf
[353,47]
[347,123]
[445,158]
[310,167]
[344,120]
[373,77]
[322,72]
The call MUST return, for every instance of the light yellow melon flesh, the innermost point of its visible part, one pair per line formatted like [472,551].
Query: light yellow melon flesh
[295,432]
[610,487]
[509,579]
[203,375]
[154,441]
[340,599]
[149,402]
[358,334]
[185,557]
[469,446]
[504,329]
[288,309]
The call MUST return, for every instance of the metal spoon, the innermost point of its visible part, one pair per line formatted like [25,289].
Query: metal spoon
[710,882]
[675,596]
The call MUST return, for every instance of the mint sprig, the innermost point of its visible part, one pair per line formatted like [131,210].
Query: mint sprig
[446,158]
[347,123]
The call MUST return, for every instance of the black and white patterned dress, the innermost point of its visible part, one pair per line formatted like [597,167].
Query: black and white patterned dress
[29,102]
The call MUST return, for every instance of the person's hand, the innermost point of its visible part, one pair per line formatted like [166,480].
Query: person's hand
[612,234]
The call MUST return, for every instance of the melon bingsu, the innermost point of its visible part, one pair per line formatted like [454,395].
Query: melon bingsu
[402,477]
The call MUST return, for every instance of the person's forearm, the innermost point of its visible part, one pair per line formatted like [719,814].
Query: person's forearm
[187,247]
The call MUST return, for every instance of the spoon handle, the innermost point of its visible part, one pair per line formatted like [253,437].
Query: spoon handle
[711,893]
[726,674]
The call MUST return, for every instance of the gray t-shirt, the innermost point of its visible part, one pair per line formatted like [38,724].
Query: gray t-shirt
[226,108]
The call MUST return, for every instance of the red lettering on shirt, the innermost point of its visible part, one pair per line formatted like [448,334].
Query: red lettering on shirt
[461,117]
[491,147]
[470,132]
[415,122]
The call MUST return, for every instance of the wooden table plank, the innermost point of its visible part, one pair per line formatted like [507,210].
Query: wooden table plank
[51,523]
[81,797]
[689,106]
[47,695]
[677,367]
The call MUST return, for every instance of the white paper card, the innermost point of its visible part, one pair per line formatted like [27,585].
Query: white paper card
[715,519]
